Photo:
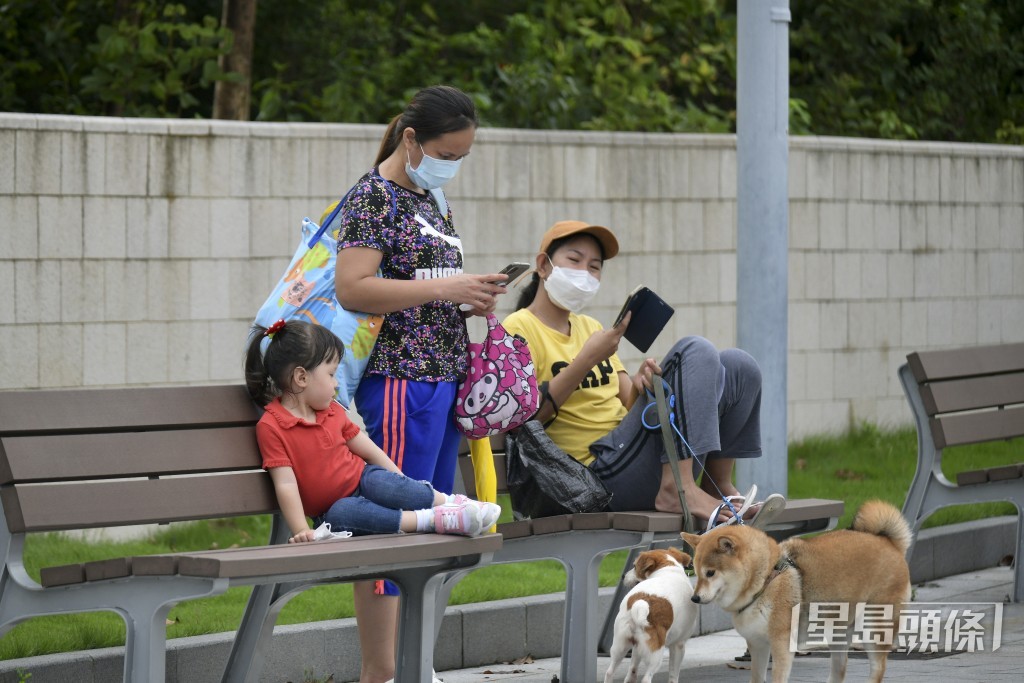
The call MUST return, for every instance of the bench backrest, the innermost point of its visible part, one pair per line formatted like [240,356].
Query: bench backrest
[972,395]
[108,457]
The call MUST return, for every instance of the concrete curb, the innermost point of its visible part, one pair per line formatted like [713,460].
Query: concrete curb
[471,635]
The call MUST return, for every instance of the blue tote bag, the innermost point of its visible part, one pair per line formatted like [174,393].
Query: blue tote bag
[306,292]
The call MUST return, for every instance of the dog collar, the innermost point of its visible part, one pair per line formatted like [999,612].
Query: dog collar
[782,565]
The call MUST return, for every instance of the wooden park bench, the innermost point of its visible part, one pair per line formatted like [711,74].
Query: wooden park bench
[965,396]
[87,459]
[580,541]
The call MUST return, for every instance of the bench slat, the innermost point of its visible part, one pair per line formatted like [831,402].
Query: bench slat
[968,428]
[973,393]
[91,504]
[520,528]
[658,522]
[929,366]
[64,575]
[104,410]
[125,454]
[370,551]
[1001,473]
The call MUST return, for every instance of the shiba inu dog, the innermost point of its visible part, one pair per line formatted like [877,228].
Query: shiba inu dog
[760,582]
[657,613]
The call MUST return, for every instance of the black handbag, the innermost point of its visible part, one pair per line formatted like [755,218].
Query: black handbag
[543,480]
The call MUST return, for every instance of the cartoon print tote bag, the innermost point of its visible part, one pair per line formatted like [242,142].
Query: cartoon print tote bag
[306,291]
[499,392]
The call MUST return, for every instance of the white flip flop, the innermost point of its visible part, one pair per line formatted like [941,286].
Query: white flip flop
[748,501]
[772,506]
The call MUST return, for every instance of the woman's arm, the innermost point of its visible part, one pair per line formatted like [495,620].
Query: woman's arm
[598,348]
[287,490]
[358,288]
[363,446]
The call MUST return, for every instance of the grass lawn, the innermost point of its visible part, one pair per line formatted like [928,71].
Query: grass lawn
[866,463]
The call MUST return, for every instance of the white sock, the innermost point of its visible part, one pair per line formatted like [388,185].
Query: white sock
[424,520]
[449,499]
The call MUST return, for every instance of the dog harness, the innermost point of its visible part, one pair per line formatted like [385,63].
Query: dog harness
[782,565]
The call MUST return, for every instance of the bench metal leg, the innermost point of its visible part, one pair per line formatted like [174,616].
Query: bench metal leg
[419,606]
[416,625]
[1018,559]
[248,651]
[931,491]
[581,556]
[143,603]
[252,642]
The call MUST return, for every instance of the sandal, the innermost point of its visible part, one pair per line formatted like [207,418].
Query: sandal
[748,503]
[767,510]
[772,506]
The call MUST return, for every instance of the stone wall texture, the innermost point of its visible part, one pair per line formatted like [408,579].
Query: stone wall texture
[136,251]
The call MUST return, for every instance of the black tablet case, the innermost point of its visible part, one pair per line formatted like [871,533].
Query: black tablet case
[650,315]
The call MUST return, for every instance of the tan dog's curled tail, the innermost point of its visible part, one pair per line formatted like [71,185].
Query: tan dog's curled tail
[882,519]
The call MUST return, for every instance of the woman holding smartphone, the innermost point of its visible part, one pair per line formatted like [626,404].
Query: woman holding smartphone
[397,221]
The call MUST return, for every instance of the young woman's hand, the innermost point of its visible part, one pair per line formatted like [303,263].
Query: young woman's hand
[644,377]
[604,343]
[305,536]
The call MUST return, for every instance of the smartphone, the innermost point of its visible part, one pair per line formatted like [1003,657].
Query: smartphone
[514,271]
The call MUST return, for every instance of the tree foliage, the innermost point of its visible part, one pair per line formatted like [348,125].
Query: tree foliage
[929,69]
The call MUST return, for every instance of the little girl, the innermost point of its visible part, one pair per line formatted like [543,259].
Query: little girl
[321,464]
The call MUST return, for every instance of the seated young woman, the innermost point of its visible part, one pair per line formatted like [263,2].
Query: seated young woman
[593,409]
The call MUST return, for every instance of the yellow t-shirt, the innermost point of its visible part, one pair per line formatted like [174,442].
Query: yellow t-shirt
[594,408]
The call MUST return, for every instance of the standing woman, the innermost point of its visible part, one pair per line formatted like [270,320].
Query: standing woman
[397,221]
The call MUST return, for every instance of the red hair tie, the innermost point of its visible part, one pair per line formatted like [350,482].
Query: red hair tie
[274,329]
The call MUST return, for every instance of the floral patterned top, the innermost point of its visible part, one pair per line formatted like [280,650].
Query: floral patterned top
[425,343]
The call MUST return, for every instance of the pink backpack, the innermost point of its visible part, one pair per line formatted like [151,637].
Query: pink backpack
[499,392]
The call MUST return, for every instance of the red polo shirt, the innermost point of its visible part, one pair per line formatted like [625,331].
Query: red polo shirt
[324,467]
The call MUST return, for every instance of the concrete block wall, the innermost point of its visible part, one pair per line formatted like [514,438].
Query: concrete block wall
[136,252]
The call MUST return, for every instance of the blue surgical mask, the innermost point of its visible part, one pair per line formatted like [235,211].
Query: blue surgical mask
[432,173]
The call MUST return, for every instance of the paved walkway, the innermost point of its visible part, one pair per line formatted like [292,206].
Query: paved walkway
[712,657]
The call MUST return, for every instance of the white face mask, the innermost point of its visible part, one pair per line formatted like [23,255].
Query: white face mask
[570,288]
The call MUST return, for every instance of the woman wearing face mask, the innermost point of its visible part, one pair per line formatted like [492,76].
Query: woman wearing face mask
[396,220]
[590,405]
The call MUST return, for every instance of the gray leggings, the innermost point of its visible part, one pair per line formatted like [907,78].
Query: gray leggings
[718,406]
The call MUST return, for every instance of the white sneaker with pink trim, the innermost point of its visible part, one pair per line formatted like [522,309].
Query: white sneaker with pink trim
[462,519]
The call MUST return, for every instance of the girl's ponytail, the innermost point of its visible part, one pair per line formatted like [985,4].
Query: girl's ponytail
[257,380]
[275,352]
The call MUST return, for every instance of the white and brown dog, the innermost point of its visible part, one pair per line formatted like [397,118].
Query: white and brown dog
[657,613]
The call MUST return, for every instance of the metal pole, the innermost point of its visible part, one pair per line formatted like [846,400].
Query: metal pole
[762,99]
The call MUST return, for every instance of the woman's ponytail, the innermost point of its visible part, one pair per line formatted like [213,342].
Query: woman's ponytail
[389,142]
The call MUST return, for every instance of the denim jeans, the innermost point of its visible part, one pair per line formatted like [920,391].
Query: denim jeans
[377,504]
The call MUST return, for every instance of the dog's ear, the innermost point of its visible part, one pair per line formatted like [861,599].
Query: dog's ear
[643,565]
[727,545]
[681,557]
[691,539]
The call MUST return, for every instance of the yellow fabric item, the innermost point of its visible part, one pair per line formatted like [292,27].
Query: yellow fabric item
[483,471]
[594,408]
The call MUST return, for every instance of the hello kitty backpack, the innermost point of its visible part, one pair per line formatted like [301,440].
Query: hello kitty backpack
[499,391]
